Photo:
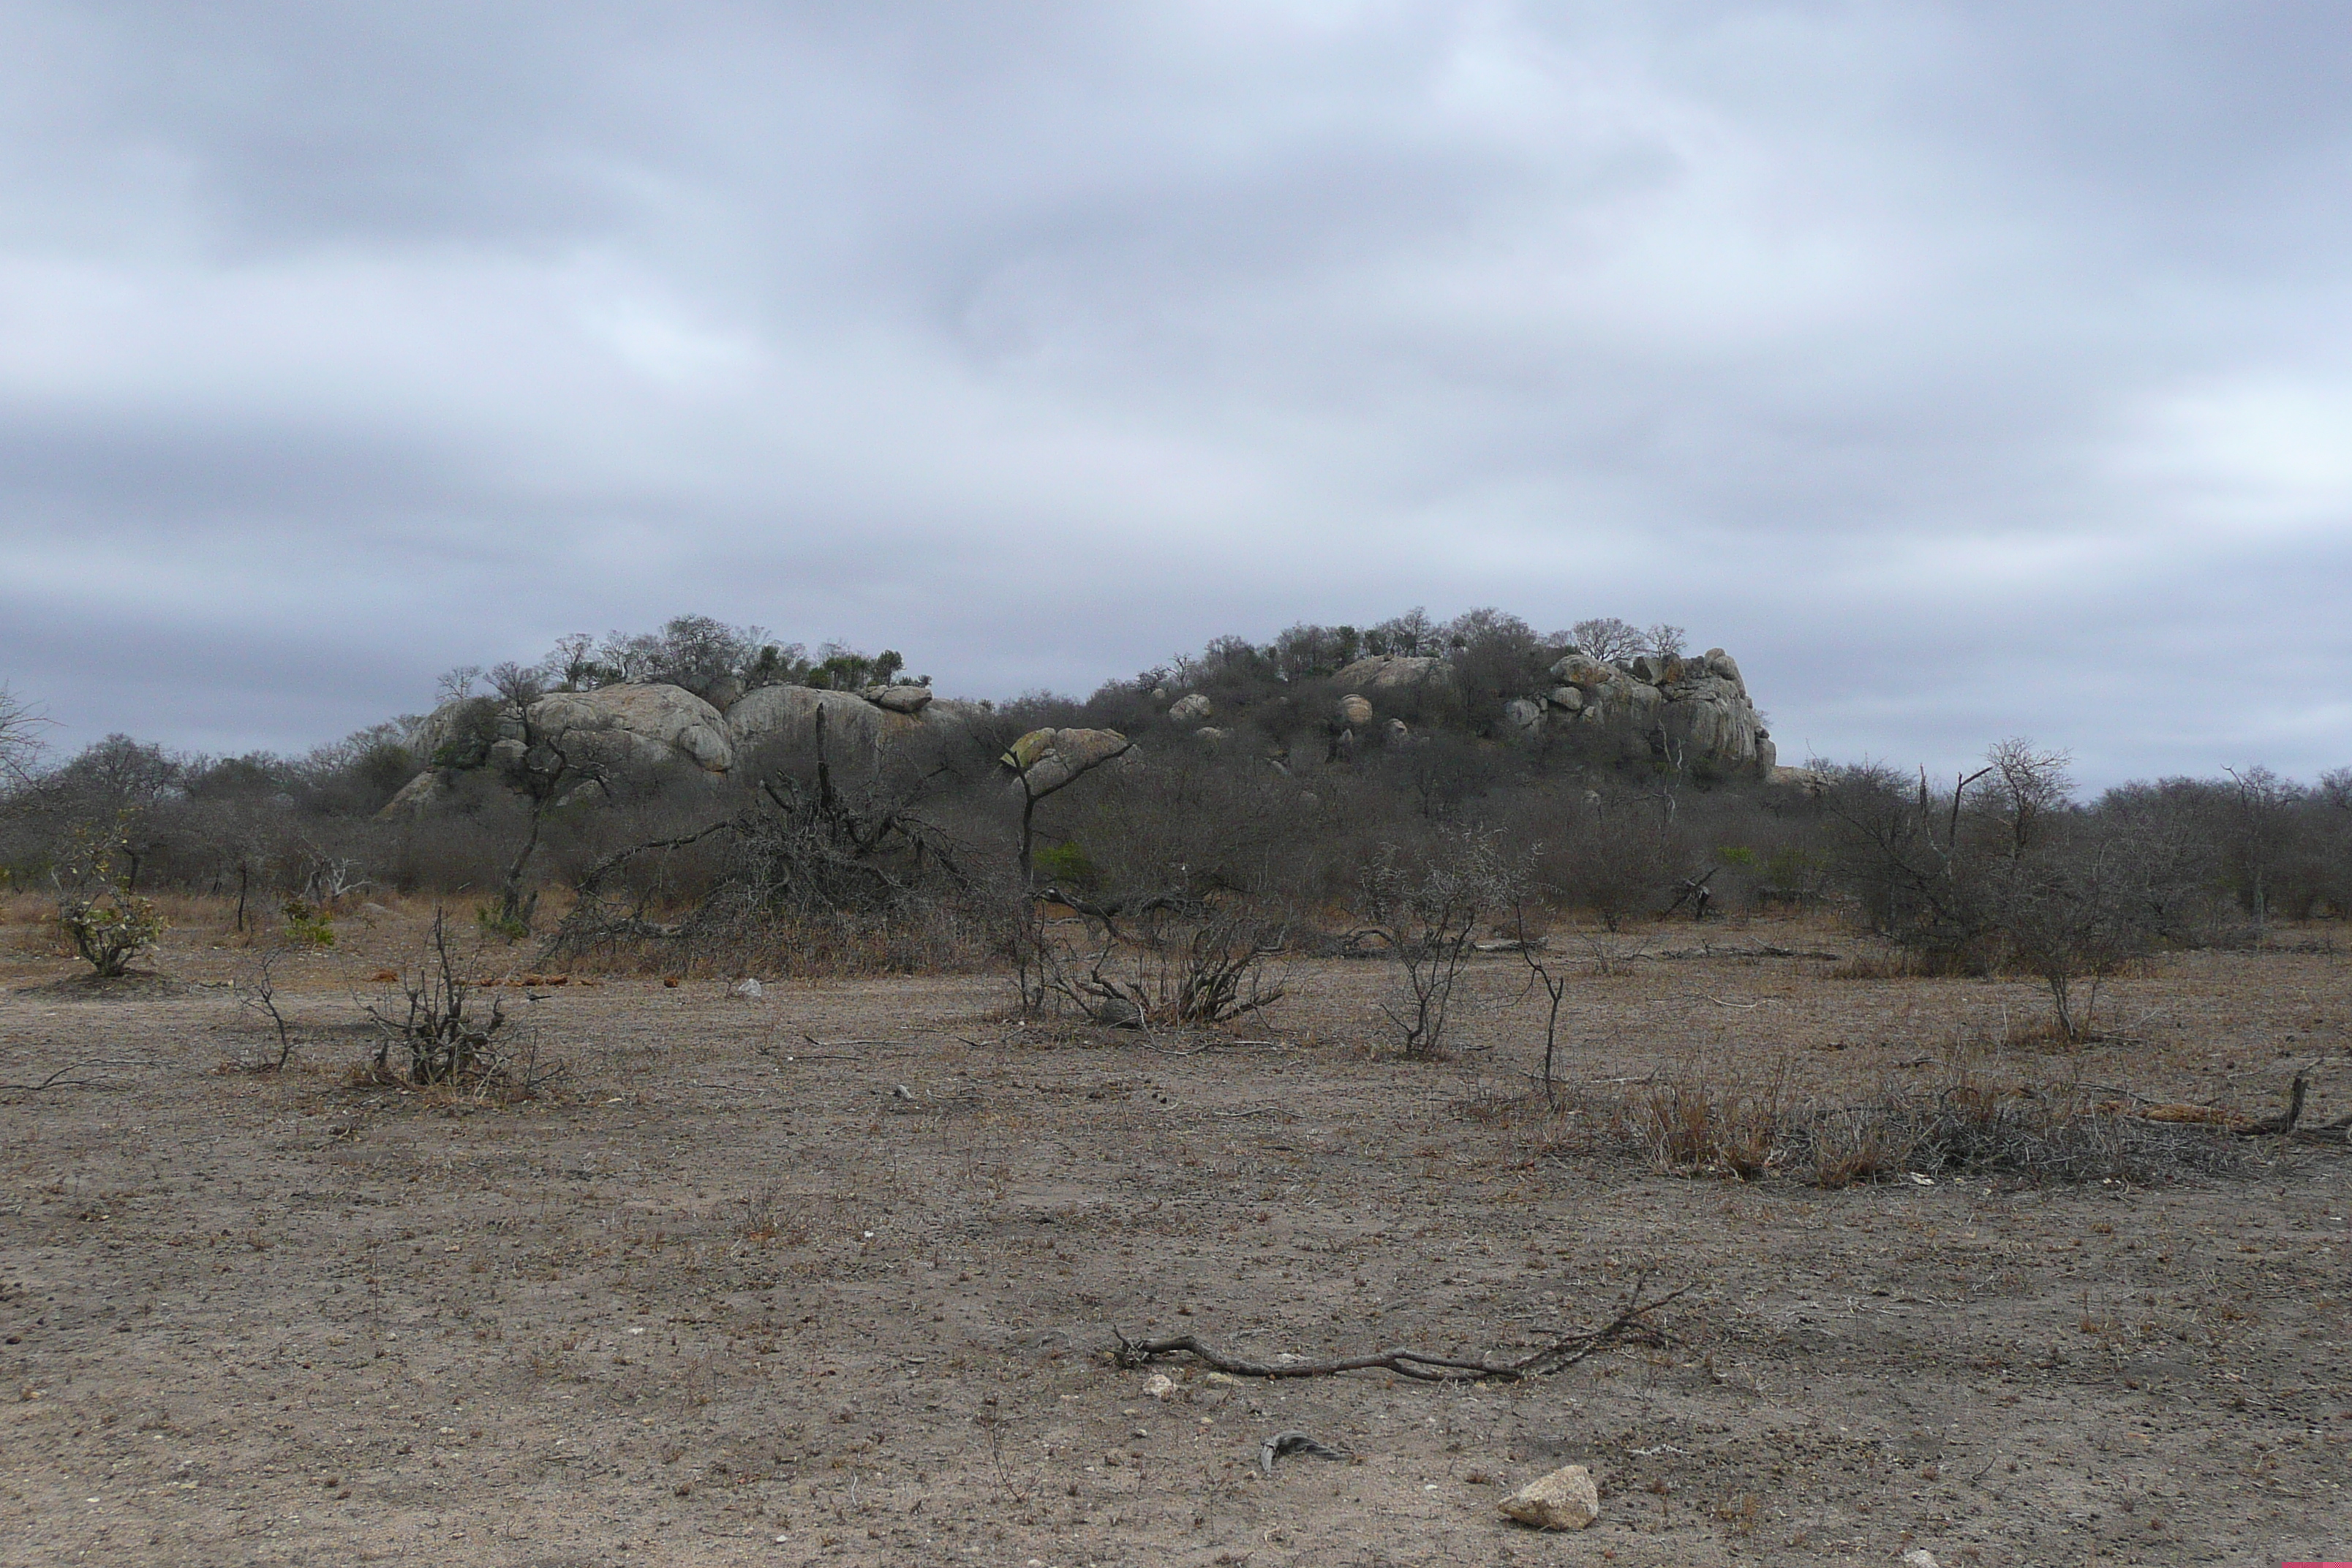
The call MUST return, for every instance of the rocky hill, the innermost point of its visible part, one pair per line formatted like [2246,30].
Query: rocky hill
[1693,714]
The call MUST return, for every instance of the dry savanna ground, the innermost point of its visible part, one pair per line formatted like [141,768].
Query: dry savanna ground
[829,1275]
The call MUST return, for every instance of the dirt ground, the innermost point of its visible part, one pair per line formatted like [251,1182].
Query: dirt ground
[829,1275]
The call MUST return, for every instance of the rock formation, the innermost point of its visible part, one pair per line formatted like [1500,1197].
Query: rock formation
[651,725]
[621,725]
[1043,761]
[1387,672]
[1693,711]
[856,722]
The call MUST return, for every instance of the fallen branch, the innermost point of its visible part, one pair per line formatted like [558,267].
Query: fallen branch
[2337,1133]
[57,1079]
[2284,1123]
[1768,949]
[1558,1355]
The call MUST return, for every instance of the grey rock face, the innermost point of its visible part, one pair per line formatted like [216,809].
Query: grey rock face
[1377,672]
[649,723]
[899,699]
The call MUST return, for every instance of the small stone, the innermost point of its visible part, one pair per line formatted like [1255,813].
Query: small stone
[1920,1557]
[1160,1385]
[1564,1499]
[751,988]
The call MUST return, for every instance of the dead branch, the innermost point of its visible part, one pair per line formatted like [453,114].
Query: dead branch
[2282,1125]
[57,1079]
[1560,1354]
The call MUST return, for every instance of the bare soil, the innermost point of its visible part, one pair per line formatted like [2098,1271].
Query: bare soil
[829,1275]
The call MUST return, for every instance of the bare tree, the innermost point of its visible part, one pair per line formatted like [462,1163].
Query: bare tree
[545,773]
[1430,917]
[1608,638]
[20,740]
[2083,905]
[1555,989]
[2261,804]
[2028,784]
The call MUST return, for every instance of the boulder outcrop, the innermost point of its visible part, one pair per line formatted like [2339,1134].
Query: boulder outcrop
[651,725]
[1043,761]
[906,698]
[619,725]
[1695,711]
[1389,672]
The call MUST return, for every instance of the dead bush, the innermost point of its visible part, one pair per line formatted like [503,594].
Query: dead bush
[1697,1125]
[434,1033]
[1189,975]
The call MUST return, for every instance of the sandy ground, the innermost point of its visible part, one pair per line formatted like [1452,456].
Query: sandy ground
[829,1277]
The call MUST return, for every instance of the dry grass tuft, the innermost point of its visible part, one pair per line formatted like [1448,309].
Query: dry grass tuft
[1695,1125]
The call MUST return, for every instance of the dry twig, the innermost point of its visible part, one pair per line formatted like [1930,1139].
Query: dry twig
[1558,1356]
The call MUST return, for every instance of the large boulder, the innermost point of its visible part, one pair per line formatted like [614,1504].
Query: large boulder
[1810,780]
[418,795]
[1192,707]
[854,725]
[1355,711]
[1584,671]
[616,725]
[1046,760]
[456,735]
[1390,672]
[907,699]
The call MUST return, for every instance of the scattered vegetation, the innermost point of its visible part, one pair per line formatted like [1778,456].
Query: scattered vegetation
[108,924]
[1285,817]
[1749,1128]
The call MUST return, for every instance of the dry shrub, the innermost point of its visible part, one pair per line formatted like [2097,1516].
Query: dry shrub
[1889,963]
[1843,1148]
[1172,975]
[776,1217]
[435,1034]
[1694,1125]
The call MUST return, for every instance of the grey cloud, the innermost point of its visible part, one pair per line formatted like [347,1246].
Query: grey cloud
[1967,369]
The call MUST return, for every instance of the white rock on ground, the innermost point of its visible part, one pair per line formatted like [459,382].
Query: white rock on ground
[1564,1499]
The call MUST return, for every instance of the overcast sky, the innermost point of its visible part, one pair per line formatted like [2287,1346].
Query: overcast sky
[1966,370]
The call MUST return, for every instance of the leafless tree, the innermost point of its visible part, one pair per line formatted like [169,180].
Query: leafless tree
[1608,638]
[2261,805]
[2028,784]
[20,740]
[1429,916]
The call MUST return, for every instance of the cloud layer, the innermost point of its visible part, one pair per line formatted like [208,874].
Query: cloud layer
[1967,370]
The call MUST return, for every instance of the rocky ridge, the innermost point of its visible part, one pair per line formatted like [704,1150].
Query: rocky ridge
[1693,713]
